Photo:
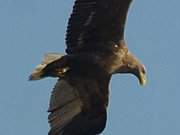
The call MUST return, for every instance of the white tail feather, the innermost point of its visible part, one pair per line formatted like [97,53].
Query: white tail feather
[48,58]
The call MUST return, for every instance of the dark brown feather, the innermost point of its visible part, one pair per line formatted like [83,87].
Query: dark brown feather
[64,105]
[78,106]
[96,23]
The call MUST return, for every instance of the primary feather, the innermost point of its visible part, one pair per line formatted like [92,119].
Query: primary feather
[96,23]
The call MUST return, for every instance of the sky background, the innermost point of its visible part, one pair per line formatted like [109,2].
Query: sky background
[31,28]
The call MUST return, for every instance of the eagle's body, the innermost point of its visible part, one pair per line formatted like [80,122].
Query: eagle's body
[95,51]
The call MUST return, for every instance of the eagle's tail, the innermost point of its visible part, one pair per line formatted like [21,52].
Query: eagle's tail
[48,58]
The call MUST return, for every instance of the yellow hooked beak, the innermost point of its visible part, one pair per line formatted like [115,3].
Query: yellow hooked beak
[142,79]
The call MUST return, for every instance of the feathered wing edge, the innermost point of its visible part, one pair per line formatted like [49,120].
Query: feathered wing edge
[96,23]
[64,105]
[66,113]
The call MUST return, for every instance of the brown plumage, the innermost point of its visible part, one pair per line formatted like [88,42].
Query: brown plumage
[95,51]
[96,23]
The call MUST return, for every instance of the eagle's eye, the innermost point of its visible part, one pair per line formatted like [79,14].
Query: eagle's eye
[115,47]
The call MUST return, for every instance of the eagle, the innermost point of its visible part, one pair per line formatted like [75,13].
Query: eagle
[96,49]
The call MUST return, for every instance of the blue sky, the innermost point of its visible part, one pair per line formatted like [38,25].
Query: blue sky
[30,28]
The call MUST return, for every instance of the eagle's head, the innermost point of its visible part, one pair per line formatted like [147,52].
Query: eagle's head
[125,62]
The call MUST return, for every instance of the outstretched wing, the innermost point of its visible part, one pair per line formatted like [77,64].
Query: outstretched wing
[66,112]
[95,23]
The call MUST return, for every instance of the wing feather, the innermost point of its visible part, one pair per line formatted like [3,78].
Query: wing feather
[69,109]
[64,105]
[95,23]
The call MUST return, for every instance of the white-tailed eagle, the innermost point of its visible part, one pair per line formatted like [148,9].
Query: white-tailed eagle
[95,51]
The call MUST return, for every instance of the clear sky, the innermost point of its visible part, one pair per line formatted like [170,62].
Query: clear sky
[30,28]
